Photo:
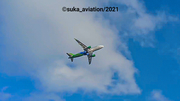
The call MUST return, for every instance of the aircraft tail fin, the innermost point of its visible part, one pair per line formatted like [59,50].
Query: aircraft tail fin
[70,56]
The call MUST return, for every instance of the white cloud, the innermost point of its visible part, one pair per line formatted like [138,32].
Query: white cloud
[135,22]
[43,97]
[156,95]
[38,34]
[4,96]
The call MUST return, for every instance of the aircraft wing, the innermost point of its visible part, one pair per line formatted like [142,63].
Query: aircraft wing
[89,58]
[82,45]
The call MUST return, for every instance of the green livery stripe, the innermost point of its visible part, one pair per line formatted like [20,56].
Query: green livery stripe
[77,55]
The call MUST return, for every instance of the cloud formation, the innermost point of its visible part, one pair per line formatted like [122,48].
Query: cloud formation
[43,97]
[156,95]
[40,34]
[4,96]
[134,21]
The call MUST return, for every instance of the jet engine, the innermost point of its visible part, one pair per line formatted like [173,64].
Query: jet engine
[87,53]
[89,47]
[93,55]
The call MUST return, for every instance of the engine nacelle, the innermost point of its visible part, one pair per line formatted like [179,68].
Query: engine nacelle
[84,52]
[87,53]
[93,55]
[89,47]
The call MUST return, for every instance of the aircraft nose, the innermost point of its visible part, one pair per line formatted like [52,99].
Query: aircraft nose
[101,46]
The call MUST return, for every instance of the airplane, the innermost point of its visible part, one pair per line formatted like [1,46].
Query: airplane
[87,51]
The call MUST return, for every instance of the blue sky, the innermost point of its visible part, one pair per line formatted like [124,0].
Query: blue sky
[141,45]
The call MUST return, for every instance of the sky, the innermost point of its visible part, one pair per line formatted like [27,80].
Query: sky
[139,62]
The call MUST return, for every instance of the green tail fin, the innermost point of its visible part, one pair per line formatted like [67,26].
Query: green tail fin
[70,54]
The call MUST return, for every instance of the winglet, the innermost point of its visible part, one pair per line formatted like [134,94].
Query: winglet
[76,40]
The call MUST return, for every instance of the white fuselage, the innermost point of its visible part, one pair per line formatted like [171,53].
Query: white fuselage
[96,48]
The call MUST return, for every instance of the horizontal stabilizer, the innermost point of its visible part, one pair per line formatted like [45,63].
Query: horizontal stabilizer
[71,59]
[69,54]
